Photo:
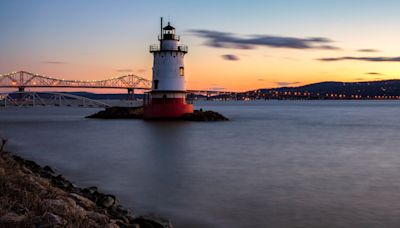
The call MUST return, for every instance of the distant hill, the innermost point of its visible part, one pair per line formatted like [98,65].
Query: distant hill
[363,89]
[388,89]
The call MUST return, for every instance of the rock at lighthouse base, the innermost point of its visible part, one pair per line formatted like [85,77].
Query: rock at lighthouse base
[119,113]
[199,115]
[137,113]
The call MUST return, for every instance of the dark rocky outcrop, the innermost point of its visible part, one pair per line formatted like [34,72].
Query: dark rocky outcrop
[200,115]
[119,113]
[137,113]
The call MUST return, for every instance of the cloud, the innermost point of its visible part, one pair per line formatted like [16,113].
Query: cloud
[128,70]
[141,70]
[286,83]
[219,39]
[124,70]
[289,58]
[373,73]
[260,79]
[368,50]
[230,57]
[53,62]
[359,79]
[217,88]
[369,59]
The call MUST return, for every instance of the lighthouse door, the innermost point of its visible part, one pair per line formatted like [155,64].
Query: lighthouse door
[156,84]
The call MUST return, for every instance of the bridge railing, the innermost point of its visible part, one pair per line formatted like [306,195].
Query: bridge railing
[26,99]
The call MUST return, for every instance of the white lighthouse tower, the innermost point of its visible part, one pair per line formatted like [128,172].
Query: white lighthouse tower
[168,95]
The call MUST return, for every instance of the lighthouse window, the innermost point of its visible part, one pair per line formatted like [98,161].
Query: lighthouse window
[181,71]
[155,84]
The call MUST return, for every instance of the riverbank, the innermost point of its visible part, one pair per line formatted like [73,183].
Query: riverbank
[31,195]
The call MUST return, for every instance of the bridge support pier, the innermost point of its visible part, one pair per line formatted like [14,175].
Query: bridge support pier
[190,97]
[21,89]
[208,95]
[131,94]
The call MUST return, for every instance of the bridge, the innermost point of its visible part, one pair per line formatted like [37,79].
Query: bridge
[23,79]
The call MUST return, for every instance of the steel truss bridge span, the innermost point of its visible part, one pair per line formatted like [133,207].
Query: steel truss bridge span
[23,79]
[32,99]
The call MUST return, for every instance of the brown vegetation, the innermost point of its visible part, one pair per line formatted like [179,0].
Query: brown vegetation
[35,196]
[27,200]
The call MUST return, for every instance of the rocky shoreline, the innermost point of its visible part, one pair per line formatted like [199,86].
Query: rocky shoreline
[35,196]
[137,113]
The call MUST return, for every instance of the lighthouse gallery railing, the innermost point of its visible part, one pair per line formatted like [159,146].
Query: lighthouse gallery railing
[156,48]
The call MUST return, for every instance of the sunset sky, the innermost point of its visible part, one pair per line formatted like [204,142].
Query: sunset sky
[233,45]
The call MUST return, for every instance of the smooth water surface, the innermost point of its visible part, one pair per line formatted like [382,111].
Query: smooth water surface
[275,164]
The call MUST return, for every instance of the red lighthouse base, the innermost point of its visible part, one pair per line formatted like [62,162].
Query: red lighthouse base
[170,108]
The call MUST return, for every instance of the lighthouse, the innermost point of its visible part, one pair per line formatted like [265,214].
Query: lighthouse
[167,98]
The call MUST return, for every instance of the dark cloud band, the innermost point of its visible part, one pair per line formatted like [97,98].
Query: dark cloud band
[230,57]
[373,73]
[53,62]
[286,83]
[230,40]
[369,59]
[124,70]
[368,50]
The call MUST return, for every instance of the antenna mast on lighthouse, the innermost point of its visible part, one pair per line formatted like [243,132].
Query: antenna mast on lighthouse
[161,33]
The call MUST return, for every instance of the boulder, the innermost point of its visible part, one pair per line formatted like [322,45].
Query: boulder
[33,166]
[99,218]
[89,192]
[56,205]
[82,201]
[52,220]
[112,225]
[19,209]
[120,213]
[200,115]
[48,169]
[26,170]
[61,182]
[11,219]
[123,211]
[152,222]
[106,200]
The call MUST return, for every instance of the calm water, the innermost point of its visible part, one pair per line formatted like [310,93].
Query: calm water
[276,164]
